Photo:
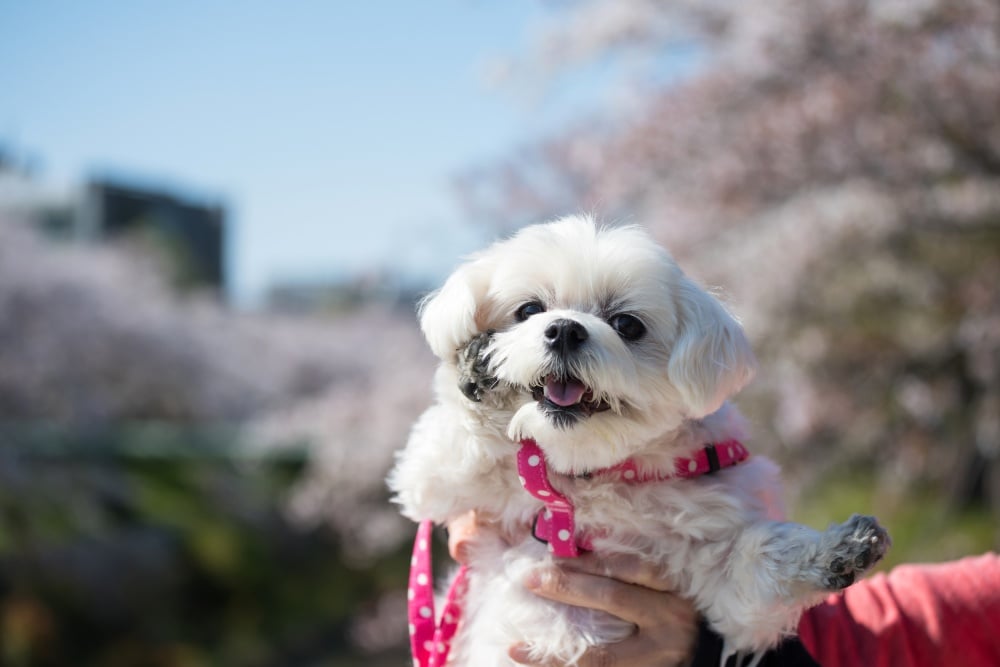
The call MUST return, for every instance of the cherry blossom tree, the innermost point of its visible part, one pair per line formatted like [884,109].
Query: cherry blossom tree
[834,166]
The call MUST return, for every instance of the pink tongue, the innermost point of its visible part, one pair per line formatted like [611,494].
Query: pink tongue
[564,393]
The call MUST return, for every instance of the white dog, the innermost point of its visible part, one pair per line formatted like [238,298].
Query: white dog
[590,344]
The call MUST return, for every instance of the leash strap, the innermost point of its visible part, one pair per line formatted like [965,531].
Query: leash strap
[555,524]
[430,636]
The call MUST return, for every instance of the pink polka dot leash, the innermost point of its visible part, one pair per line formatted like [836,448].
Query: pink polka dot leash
[555,523]
[430,635]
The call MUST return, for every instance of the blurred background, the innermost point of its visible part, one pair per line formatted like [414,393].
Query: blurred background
[216,218]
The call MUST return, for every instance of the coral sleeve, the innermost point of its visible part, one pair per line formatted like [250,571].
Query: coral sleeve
[916,616]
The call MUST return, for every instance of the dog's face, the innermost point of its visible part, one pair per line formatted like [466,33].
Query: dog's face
[602,344]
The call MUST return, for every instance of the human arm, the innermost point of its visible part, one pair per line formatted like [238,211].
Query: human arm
[914,616]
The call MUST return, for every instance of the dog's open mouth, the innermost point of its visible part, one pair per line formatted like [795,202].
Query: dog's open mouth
[567,395]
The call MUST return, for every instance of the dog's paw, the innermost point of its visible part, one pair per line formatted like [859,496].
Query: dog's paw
[474,378]
[858,544]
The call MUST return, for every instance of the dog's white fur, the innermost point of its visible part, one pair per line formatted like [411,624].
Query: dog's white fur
[718,539]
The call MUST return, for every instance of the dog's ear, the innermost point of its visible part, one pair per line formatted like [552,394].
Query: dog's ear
[448,315]
[711,358]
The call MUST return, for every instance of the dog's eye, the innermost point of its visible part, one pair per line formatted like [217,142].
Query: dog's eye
[529,309]
[628,326]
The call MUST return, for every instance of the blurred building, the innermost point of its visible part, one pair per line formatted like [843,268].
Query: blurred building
[187,233]
[190,233]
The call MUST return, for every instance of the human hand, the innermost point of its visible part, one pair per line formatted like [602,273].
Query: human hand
[462,533]
[626,587]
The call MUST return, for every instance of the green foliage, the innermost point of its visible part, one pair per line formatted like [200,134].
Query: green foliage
[163,546]
[923,527]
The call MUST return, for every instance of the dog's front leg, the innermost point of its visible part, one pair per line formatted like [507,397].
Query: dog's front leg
[778,569]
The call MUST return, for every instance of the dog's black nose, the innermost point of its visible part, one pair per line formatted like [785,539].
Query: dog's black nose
[565,335]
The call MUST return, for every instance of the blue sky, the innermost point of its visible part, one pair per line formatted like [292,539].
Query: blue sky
[330,129]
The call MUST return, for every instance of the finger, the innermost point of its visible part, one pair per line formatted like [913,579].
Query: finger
[637,651]
[674,648]
[461,532]
[597,656]
[635,604]
[623,567]
[521,654]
